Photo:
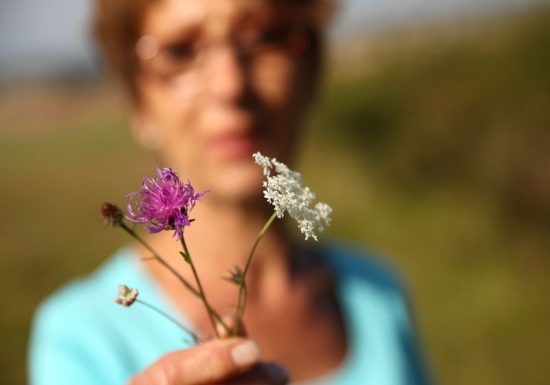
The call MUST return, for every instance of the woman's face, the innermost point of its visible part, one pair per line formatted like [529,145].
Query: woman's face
[222,79]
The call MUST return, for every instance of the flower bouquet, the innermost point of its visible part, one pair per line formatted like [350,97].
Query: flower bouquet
[165,203]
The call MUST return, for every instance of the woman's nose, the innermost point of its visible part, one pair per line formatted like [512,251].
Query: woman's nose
[226,75]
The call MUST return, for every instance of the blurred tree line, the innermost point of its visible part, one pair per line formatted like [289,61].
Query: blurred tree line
[465,109]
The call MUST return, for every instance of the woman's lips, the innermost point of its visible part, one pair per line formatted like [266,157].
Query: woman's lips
[229,146]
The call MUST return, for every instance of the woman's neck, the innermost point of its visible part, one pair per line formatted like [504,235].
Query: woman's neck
[221,238]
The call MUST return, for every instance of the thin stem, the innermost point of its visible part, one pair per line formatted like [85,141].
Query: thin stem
[170,318]
[242,286]
[159,259]
[169,267]
[202,295]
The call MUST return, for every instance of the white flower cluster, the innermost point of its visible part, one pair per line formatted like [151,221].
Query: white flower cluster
[284,190]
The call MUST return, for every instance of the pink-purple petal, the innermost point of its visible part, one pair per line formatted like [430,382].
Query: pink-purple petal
[163,203]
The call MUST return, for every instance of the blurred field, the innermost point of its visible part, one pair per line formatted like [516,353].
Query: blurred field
[432,146]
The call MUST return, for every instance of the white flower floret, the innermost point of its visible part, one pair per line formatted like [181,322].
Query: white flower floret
[283,188]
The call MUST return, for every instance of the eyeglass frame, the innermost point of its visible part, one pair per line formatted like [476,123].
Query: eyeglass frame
[297,41]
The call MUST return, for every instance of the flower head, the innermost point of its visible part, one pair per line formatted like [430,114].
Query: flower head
[126,295]
[164,203]
[283,188]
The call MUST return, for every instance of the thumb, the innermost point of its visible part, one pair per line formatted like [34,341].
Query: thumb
[210,362]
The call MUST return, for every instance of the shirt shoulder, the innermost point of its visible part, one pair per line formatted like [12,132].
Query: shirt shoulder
[368,268]
[79,335]
[377,307]
[89,297]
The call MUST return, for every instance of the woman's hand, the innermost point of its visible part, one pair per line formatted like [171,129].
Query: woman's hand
[228,361]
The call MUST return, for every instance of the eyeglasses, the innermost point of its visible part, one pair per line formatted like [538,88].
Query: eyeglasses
[189,54]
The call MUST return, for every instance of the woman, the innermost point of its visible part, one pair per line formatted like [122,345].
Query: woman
[211,82]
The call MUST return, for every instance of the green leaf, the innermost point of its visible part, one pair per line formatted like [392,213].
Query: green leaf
[186,257]
[235,276]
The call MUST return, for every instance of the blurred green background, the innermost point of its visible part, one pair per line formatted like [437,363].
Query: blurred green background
[432,145]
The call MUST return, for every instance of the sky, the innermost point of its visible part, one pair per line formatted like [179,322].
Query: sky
[44,37]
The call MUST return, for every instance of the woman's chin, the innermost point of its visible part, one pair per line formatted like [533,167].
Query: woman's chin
[237,183]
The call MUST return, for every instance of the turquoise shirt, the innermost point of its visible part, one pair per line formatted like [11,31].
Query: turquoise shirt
[80,336]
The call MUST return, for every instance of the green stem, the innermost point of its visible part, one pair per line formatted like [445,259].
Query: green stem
[242,286]
[159,259]
[170,318]
[211,313]
[169,267]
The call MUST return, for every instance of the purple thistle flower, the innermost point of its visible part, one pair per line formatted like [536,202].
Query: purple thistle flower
[163,203]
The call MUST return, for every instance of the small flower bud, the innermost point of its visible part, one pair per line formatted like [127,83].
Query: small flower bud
[126,295]
[112,214]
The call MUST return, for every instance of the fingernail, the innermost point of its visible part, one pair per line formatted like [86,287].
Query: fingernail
[245,354]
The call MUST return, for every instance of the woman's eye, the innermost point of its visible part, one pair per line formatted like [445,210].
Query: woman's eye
[181,52]
[268,38]
[275,36]
[175,58]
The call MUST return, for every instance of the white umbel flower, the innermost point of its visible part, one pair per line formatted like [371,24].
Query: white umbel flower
[283,188]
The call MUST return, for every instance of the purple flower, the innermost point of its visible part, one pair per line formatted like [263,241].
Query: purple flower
[163,203]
